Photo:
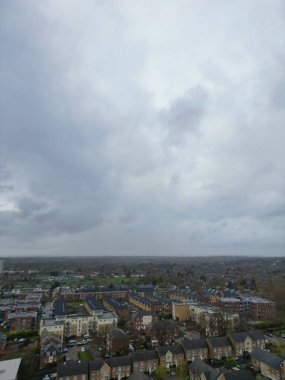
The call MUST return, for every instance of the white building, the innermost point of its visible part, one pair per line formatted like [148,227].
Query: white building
[9,369]
[51,326]
[105,321]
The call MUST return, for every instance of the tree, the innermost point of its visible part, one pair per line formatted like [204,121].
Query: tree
[160,373]
[182,372]
[230,361]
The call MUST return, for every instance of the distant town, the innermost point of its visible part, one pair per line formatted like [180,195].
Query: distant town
[141,318]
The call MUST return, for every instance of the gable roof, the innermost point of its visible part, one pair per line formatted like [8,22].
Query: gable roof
[174,349]
[194,344]
[140,356]
[51,347]
[257,335]
[96,364]
[48,337]
[72,367]
[263,356]
[240,337]
[119,361]
[199,367]
[221,341]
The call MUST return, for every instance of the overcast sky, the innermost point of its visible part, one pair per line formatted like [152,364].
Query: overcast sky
[142,127]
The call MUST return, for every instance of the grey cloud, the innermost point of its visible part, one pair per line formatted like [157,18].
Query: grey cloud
[106,149]
[185,113]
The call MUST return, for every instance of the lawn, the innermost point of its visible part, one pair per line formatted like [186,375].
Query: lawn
[74,303]
[86,355]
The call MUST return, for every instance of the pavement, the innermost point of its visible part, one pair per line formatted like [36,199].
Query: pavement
[72,353]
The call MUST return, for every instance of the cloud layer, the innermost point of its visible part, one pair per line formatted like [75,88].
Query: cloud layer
[142,127]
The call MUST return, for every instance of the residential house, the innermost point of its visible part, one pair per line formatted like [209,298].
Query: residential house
[258,339]
[219,347]
[145,361]
[120,308]
[120,366]
[99,370]
[93,307]
[199,370]
[145,303]
[196,348]
[50,354]
[246,342]
[181,310]
[50,338]
[72,370]
[142,319]
[171,356]
[271,366]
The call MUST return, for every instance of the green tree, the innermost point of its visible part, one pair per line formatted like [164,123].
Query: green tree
[160,373]
[182,372]
[230,361]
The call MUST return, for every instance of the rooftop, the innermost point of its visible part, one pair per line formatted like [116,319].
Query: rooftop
[9,369]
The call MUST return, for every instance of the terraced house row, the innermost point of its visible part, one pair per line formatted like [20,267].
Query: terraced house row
[167,356]
[120,308]
[145,303]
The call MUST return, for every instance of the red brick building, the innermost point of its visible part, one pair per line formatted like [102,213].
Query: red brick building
[22,321]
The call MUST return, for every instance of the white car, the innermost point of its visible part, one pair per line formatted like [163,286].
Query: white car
[82,349]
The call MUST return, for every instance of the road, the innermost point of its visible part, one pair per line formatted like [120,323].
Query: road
[47,310]
[275,340]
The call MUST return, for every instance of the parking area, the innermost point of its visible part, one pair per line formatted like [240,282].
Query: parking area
[72,353]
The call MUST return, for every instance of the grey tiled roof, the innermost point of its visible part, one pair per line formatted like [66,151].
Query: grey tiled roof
[240,337]
[199,367]
[72,367]
[174,349]
[257,335]
[119,361]
[96,364]
[194,344]
[51,347]
[222,341]
[266,357]
[140,356]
